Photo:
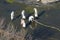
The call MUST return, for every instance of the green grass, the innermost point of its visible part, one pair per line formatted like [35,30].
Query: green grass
[29,9]
[10,1]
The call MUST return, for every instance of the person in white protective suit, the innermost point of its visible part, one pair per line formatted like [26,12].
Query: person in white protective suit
[12,15]
[22,13]
[31,18]
[23,23]
[35,13]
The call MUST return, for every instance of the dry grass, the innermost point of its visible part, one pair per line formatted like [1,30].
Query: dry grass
[11,34]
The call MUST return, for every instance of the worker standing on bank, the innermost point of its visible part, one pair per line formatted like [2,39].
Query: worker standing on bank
[12,15]
[23,23]
[35,13]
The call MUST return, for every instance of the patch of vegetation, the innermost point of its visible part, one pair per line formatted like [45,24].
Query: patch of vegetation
[10,1]
[29,9]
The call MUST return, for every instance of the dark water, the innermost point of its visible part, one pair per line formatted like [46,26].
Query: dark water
[52,18]
[43,33]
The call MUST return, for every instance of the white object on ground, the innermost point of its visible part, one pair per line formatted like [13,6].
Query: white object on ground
[23,23]
[22,13]
[48,1]
[12,15]
[36,13]
[38,0]
[31,18]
